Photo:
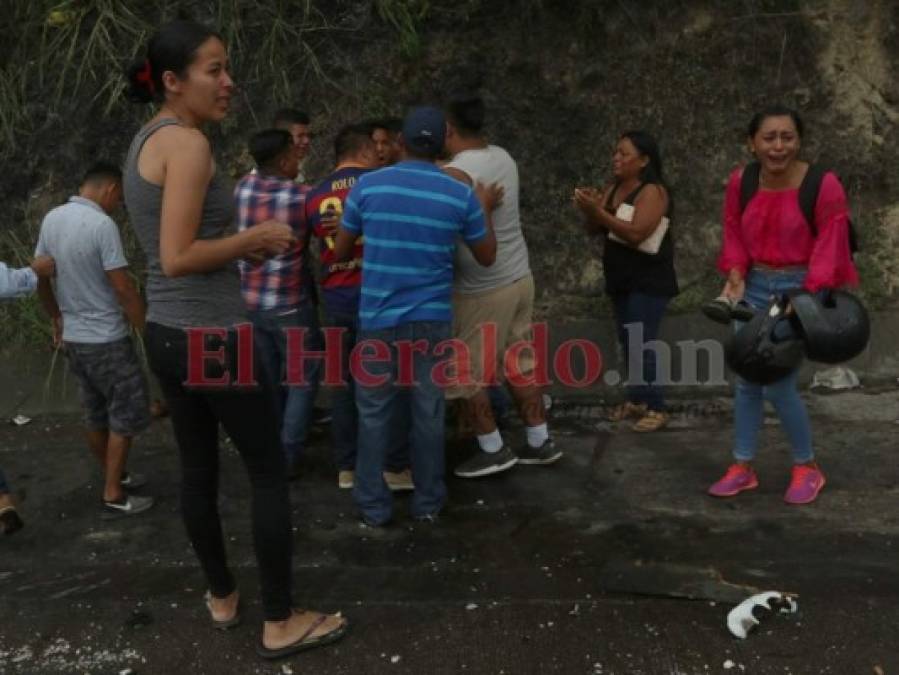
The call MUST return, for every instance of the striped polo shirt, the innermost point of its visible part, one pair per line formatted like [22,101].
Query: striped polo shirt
[411,216]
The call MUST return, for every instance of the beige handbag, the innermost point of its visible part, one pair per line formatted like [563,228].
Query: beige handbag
[653,242]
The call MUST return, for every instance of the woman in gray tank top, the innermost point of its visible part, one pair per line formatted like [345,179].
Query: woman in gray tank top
[180,207]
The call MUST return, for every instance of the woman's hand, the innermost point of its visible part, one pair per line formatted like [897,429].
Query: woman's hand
[589,200]
[735,287]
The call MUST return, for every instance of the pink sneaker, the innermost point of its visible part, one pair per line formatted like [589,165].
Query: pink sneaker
[739,477]
[805,484]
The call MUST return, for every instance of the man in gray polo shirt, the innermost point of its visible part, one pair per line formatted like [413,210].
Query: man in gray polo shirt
[93,290]
[501,295]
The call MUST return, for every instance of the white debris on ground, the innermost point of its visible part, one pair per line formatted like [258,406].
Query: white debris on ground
[470,606]
[60,656]
[395,658]
[286,670]
[838,377]
[744,617]
[729,664]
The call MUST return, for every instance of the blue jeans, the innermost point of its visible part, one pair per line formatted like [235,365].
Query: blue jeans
[424,402]
[4,488]
[295,401]
[344,418]
[749,398]
[634,312]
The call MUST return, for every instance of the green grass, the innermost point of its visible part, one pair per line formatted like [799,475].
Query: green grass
[405,17]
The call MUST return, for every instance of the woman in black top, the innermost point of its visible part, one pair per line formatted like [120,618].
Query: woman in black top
[640,283]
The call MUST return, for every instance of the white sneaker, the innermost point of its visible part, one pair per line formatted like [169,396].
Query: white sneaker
[129,506]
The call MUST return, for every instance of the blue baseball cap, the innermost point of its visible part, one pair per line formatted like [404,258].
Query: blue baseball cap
[424,129]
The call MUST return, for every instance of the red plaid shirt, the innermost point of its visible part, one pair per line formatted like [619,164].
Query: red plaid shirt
[280,281]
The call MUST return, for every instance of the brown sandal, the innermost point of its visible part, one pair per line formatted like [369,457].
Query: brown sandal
[305,641]
[626,410]
[653,420]
[224,624]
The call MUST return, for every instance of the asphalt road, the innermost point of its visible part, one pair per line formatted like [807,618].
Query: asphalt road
[613,561]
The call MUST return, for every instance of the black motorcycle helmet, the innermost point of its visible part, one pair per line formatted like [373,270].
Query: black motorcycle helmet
[834,325]
[753,354]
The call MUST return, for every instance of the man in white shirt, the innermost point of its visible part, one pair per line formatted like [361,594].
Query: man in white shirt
[93,297]
[501,295]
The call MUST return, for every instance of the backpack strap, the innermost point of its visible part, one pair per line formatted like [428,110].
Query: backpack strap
[749,183]
[808,194]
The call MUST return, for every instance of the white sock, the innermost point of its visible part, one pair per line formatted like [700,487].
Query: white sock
[492,442]
[537,435]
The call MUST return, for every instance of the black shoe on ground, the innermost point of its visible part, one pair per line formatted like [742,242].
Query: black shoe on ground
[487,463]
[545,454]
[129,505]
[10,521]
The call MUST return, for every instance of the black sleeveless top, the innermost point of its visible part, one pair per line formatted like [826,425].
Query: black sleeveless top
[626,269]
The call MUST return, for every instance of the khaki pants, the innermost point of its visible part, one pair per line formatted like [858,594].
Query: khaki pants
[509,310]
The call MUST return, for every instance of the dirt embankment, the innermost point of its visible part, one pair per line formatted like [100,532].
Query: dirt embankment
[562,79]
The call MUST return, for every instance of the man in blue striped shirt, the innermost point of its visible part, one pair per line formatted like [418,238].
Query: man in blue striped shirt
[411,216]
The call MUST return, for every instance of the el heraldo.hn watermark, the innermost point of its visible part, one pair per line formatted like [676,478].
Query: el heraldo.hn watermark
[575,362]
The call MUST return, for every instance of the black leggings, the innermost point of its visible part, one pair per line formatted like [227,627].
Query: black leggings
[249,416]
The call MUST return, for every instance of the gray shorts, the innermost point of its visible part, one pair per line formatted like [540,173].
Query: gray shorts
[111,385]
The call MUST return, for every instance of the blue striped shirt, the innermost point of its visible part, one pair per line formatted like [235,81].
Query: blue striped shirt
[411,216]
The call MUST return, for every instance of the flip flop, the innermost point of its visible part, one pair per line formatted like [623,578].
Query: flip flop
[305,642]
[227,624]
[653,420]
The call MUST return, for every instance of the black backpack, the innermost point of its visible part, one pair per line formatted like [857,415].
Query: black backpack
[808,196]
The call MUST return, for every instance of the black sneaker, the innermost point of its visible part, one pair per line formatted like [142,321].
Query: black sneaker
[487,463]
[129,505]
[133,481]
[10,521]
[545,454]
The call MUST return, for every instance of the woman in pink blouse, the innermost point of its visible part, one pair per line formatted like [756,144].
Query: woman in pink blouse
[769,248]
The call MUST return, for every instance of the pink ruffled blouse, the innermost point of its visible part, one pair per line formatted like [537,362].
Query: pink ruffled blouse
[772,231]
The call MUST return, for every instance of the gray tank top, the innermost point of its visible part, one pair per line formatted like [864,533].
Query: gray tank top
[193,300]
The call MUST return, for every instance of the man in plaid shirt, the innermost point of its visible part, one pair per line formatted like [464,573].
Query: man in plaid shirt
[277,291]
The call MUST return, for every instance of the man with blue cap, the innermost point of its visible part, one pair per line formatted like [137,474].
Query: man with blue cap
[411,215]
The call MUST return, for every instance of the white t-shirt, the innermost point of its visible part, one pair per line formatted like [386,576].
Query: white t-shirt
[85,244]
[493,165]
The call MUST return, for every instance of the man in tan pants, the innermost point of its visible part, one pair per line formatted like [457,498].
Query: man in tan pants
[498,298]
